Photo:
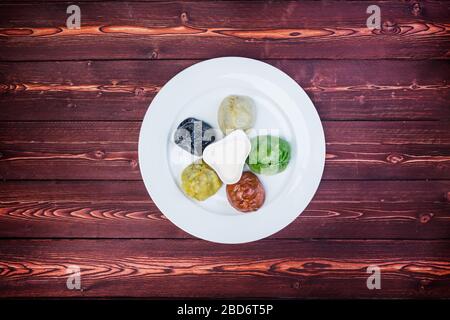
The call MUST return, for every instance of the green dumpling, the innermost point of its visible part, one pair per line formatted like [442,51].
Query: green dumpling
[269,155]
[236,112]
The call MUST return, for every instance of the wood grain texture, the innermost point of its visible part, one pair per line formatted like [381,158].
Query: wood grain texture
[108,150]
[123,90]
[71,105]
[123,209]
[192,268]
[332,30]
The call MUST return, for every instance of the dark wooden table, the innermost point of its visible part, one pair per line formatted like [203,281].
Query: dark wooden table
[71,106]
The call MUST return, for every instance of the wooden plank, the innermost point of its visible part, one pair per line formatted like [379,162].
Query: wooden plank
[123,209]
[192,268]
[108,150]
[199,30]
[122,90]
[341,132]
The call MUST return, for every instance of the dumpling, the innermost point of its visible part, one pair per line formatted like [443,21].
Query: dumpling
[236,112]
[199,181]
[247,194]
[194,135]
[269,155]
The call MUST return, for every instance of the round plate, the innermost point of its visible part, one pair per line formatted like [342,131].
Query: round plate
[282,109]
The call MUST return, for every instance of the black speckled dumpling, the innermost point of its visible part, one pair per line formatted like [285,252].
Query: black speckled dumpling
[194,135]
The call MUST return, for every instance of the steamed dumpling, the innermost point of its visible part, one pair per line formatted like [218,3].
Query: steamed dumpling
[269,155]
[236,112]
[194,135]
[199,181]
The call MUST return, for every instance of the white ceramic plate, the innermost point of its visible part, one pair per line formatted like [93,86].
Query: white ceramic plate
[282,108]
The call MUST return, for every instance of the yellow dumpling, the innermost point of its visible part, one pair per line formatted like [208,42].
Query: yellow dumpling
[199,181]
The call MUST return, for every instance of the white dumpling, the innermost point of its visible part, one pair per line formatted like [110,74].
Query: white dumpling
[236,112]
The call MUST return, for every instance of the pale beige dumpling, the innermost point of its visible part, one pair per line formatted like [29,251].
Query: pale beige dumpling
[236,112]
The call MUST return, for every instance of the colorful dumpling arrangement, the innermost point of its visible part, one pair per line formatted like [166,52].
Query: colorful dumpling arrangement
[223,160]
